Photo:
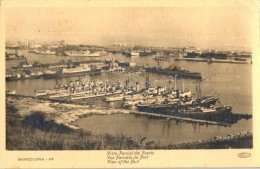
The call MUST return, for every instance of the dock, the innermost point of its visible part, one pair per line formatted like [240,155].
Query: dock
[185,119]
[213,60]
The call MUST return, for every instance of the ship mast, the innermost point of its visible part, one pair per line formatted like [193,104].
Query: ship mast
[198,90]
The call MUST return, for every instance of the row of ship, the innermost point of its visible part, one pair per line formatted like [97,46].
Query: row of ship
[84,69]
[138,53]
[236,60]
[89,68]
[141,95]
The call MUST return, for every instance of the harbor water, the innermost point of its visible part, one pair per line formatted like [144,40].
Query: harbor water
[231,83]
[161,131]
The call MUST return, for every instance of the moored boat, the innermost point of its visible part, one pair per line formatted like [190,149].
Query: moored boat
[212,113]
[174,71]
[45,52]
[78,71]
[164,108]
[82,54]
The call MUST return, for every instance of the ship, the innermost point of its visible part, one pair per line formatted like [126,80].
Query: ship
[147,53]
[239,59]
[135,53]
[213,113]
[77,71]
[205,101]
[12,46]
[199,111]
[82,54]
[164,58]
[134,97]
[60,95]
[172,105]
[88,96]
[163,108]
[174,71]
[49,92]
[132,53]
[45,52]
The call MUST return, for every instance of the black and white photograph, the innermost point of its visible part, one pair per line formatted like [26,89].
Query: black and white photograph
[99,78]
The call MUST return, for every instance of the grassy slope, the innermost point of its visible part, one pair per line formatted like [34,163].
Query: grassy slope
[35,133]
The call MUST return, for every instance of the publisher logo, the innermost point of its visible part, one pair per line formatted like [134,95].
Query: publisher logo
[244,155]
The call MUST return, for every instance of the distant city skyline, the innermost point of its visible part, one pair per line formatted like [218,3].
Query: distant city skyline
[226,28]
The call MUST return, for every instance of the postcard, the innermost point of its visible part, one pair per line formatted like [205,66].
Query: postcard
[129,84]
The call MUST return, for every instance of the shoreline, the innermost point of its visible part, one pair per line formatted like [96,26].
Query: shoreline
[67,113]
[84,109]
[217,141]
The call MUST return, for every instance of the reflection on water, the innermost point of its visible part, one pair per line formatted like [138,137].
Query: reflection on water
[159,130]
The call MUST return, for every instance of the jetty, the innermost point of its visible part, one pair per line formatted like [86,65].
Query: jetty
[185,119]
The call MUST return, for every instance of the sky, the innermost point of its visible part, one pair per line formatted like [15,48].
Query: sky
[206,27]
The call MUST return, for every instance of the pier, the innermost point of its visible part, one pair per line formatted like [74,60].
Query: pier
[185,119]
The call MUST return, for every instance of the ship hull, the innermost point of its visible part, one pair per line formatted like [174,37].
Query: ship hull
[179,73]
[113,98]
[221,114]
[159,109]
[50,76]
